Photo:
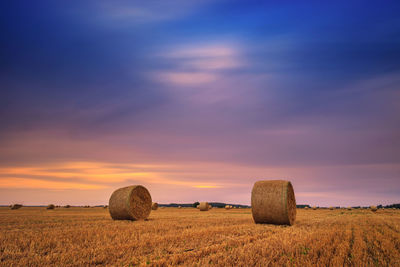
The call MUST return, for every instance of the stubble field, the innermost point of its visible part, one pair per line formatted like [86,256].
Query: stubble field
[188,237]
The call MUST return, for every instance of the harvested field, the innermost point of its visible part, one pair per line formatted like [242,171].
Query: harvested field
[87,237]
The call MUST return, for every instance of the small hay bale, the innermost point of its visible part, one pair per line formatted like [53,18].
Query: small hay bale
[227,207]
[50,207]
[154,206]
[306,208]
[273,202]
[373,208]
[314,208]
[179,207]
[16,206]
[204,206]
[130,203]
[198,207]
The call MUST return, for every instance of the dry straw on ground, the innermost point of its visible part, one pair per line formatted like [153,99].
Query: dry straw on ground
[50,207]
[273,202]
[204,206]
[373,208]
[154,206]
[130,203]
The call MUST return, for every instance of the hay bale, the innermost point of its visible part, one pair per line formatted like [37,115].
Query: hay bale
[204,206]
[50,207]
[179,207]
[154,206]
[130,203]
[273,202]
[373,208]
[306,208]
[314,208]
[331,208]
[227,207]
[16,206]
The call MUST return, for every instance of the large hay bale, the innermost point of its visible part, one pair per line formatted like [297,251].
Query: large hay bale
[16,206]
[373,208]
[130,203]
[50,207]
[154,206]
[204,206]
[273,202]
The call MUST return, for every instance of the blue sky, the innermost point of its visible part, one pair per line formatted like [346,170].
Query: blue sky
[200,99]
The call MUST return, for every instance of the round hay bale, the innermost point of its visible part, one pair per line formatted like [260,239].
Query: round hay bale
[373,208]
[154,206]
[130,203]
[273,202]
[306,208]
[227,207]
[50,207]
[16,206]
[198,207]
[314,208]
[179,207]
[204,206]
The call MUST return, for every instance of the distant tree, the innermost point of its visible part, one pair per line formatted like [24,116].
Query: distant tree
[195,204]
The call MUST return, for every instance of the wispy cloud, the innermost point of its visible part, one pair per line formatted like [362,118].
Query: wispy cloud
[199,64]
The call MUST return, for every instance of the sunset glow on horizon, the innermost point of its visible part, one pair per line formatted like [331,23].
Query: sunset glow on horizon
[198,100]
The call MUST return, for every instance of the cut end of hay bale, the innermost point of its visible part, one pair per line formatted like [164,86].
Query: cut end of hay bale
[154,206]
[204,206]
[16,206]
[50,207]
[273,201]
[130,203]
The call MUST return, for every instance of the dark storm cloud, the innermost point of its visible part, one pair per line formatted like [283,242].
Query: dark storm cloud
[251,84]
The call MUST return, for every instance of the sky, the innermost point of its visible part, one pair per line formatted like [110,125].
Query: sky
[197,100]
